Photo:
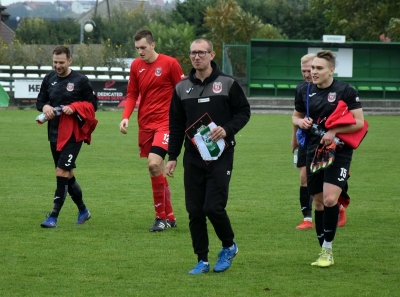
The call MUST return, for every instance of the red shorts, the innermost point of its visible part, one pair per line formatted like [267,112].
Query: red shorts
[148,138]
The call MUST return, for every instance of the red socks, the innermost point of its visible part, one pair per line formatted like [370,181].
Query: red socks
[157,184]
[168,205]
[162,197]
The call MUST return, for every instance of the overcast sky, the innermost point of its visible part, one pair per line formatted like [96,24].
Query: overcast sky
[8,2]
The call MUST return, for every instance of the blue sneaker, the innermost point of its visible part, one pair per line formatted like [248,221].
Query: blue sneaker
[225,258]
[200,268]
[83,216]
[49,223]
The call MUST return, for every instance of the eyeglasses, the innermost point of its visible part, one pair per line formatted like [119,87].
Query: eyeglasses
[201,54]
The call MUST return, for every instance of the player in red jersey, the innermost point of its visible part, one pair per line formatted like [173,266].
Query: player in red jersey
[154,77]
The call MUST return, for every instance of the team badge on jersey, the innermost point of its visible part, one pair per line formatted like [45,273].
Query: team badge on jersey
[70,87]
[217,87]
[332,97]
[158,71]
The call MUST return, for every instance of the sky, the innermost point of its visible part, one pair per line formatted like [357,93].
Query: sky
[8,2]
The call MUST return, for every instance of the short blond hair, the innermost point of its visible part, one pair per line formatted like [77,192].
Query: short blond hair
[307,58]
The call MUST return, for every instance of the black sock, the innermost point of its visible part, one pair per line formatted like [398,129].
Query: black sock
[331,216]
[305,202]
[319,225]
[202,257]
[59,195]
[74,190]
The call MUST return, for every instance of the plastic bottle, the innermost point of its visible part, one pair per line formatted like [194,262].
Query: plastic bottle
[212,146]
[40,119]
[315,129]
[295,155]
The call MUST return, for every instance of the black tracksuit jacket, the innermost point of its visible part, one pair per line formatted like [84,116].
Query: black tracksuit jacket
[220,95]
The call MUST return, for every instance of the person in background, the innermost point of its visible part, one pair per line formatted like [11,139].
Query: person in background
[207,93]
[154,77]
[63,95]
[305,198]
[326,185]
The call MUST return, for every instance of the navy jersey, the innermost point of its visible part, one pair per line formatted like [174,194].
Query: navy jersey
[56,91]
[323,102]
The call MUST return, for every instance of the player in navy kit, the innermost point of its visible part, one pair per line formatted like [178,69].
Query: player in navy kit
[305,198]
[325,186]
[73,92]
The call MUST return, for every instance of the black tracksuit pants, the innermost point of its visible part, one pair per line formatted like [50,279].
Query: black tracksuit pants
[206,196]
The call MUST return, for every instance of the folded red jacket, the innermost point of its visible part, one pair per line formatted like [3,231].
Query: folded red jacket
[82,123]
[342,116]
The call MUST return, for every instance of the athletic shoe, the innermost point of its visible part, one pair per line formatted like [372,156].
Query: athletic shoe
[325,258]
[49,223]
[225,258]
[171,224]
[342,217]
[83,216]
[305,225]
[159,225]
[200,268]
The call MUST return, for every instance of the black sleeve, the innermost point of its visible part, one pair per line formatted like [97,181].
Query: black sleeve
[177,125]
[43,96]
[298,100]
[351,97]
[240,107]
[88,93]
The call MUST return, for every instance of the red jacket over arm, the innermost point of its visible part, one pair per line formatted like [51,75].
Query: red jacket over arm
[82,124]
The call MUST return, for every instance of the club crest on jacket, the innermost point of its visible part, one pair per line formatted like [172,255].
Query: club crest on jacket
[332,97]
[217,87]
[70,87]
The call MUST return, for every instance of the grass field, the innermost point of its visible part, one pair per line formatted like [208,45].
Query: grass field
[114,254]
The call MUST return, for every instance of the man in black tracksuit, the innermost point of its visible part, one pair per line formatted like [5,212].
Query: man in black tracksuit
[207,91]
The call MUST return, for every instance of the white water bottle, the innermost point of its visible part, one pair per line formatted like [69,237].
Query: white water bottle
[295,155]
[40,119]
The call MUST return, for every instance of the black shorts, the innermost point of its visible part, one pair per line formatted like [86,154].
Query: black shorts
[66,158]
[301,157]
[337,174]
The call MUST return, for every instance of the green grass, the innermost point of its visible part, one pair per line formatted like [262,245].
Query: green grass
[113,254]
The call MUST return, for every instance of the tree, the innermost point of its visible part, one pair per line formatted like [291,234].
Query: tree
[64,31]
[292,17]
[359,20]
[192,12]
[121,28]
[228,23]
[33,31]
[393,29]
[40,31]
[174,41]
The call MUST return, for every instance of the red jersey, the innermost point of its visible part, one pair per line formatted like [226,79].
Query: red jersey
[155,83]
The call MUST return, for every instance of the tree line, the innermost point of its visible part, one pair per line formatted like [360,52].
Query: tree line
[223,21]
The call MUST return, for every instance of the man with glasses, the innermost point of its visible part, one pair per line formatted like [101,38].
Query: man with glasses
[207,93]
[154,77]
